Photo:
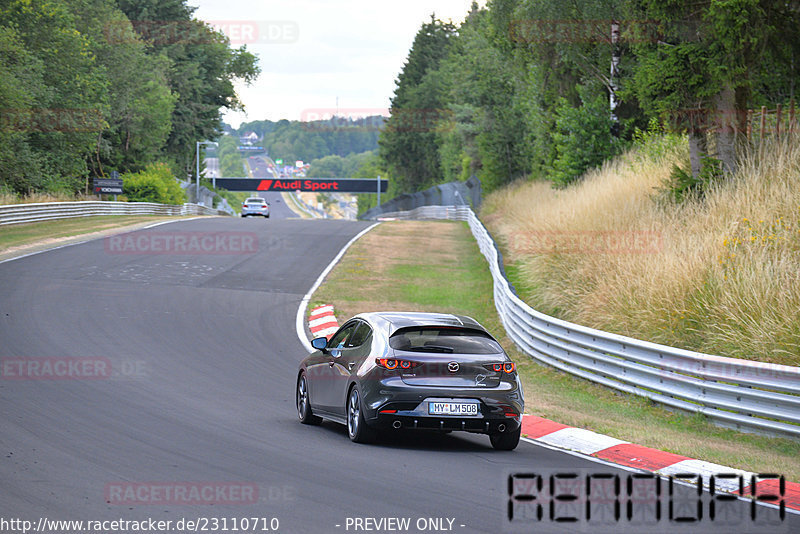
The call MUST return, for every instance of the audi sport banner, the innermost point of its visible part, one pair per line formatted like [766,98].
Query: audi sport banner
[326,185]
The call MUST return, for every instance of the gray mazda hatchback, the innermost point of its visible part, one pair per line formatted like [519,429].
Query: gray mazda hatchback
[427,371]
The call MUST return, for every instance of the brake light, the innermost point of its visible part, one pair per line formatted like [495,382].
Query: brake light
[388,411]
[507,367]
[264,206]
[392,364]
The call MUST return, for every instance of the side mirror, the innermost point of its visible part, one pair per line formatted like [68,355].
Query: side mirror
[320,343]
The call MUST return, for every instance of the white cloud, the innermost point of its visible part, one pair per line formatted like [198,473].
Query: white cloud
[350,49]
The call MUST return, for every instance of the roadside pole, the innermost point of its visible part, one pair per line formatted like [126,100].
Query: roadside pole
[197,173]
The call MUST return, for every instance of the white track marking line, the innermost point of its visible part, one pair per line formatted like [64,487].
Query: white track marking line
[92,239]
[301,309]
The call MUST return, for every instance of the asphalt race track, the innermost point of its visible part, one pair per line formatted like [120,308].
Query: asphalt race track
[203,355]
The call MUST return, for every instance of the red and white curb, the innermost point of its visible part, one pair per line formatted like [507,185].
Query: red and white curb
[322,321]
[662,463]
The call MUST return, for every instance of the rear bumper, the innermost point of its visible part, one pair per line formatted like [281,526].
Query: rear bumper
[481,425]
[389,403]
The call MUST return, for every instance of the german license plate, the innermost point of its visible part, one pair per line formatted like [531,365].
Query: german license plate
[452,408]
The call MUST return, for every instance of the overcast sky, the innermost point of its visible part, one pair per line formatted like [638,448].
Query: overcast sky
[313,51]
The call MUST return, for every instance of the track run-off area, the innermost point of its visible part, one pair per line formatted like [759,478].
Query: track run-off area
[156,380]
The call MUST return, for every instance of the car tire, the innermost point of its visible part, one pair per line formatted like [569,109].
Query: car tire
[506,441]
[303,401]
[357,428]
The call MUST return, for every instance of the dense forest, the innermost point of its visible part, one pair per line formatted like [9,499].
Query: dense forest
[93,86]
[310,140]
[520,89]
[548,89]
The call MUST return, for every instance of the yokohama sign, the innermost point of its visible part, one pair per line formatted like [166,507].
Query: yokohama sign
[328,185]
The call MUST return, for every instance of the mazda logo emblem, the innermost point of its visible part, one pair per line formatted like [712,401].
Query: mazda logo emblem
[453,367]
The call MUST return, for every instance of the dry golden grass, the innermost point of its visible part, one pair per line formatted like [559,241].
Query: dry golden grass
[10,198]
[721,275]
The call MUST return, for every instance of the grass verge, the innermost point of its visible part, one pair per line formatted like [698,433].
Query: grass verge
[436,266]
[16,237]
[717,274]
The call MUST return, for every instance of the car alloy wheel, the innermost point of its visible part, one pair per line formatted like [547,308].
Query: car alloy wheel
[357,428]
[303,404]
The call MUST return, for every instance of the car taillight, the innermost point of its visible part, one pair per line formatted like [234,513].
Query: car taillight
[507,367]
[264,206]
[392,364]
[508,411]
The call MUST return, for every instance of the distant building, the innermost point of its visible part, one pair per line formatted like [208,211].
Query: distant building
[250,138]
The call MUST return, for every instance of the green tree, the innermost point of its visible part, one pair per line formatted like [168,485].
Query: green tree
[203,68]
[231,163]
[21,82]
[139,97]
[327,167]
[307,141]
[582,138]
[68,97]
[153,184]
[486,116]
[709,57]
[408,144]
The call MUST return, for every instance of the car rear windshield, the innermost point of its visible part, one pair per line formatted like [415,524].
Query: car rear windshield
[444,340]
[254,200]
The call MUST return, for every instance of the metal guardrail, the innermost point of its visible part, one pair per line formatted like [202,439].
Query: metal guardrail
[46,211]
[742,394]
[310,210]
[451,193]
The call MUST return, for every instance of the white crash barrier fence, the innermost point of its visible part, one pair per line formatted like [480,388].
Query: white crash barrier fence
[45,211]
[738,393]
